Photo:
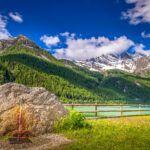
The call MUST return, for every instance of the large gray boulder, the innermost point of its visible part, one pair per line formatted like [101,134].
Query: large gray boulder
[39,109]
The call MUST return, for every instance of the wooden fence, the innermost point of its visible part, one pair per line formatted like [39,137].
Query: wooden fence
[96,111]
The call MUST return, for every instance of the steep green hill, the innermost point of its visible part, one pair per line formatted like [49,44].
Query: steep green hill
[22,61]
[76,85]
[21,44]
[5,75]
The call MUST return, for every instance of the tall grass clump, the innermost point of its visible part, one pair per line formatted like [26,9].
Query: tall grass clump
[110,134]
[74,121]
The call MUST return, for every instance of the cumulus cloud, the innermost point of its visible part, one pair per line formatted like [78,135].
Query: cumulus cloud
[140,13]
[67,34]
[140,48]
[81,49]
[50,40]
[144,35]
[64,34]
[16,17]
[4,34]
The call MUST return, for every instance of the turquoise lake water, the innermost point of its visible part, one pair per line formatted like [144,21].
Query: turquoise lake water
[110,114]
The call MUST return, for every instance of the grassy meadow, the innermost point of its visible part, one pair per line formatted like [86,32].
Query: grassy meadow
[131,133]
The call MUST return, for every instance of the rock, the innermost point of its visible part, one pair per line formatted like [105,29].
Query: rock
[39,109]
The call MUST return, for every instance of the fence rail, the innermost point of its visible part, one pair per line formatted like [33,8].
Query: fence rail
[121,110]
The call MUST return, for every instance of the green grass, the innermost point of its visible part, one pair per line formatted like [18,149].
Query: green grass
[111,134]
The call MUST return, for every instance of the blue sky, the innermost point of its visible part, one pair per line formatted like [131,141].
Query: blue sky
[91,27]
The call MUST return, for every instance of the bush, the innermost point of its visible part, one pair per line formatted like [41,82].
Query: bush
[74,121]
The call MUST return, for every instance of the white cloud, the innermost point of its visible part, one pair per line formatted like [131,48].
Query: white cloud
[60,53]
[131,1]
[140,13]
[73,35]
[16,17]
[67,34]
[50,40]
[64,34]
[4,34]
[144,35]
[139,48]
[82,49]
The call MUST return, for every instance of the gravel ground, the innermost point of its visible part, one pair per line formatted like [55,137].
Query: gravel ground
[43,142]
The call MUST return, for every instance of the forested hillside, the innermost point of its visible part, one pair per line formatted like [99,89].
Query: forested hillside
[24,62]
[5,75]
[74,84]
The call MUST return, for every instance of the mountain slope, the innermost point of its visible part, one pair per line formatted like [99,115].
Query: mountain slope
[5,75]
[24,44]
[143,66]
[75,86]
[71,83]
[133,63]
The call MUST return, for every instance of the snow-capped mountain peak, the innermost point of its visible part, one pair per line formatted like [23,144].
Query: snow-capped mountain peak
[125,61]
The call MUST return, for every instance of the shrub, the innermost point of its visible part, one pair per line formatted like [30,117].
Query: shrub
[75,120]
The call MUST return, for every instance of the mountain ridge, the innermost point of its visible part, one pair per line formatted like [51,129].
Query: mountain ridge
[126,61]
[21,43]
[71,83]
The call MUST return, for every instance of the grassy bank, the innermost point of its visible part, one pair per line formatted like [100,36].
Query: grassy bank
[111,134]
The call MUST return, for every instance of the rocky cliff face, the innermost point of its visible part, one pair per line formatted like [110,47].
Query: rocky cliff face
[39,109]
[143,63]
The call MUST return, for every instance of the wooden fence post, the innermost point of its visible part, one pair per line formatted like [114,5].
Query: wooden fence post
[72,106]
[121,110]
[140,109]
[96,110]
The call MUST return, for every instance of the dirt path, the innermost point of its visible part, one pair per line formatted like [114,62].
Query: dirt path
[43,142]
